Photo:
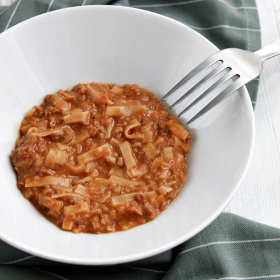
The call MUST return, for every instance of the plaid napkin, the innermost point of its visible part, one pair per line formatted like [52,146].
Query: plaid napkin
[231,247]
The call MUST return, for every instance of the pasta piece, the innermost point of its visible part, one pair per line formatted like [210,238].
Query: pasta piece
[110,122]
[149,132]
[55,157]
[77,117]
[177,142]
[51,159]
[94,154]
[150,150]
[81,136]
[159,200]
[61,157]
[125,182]
[102,185]
[159,114]
[164,190]
[104,182]
[25,128]
[114,142]
[59,103]
[158,140]
[90,168]
[75,169]
[177,129]
[110,159]
[69,190]
[102,197]
[96,96]
[77,208]
[41,125]
[159,163]
[164,173]
[36,132]
[117,90]
[151,196]
[87,179]
[136,135]
[117,171]
[67,224]
[178,158]
[62,146]
[39,161]
[120,111]
[168,154]
[128,157]
[125,198]
[48,180]
[82,190]
[50,203]
[137,171]
[66,194]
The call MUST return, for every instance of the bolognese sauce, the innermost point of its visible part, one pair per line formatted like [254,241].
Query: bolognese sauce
[101,158]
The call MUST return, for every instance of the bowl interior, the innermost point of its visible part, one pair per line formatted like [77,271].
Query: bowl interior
[116,45]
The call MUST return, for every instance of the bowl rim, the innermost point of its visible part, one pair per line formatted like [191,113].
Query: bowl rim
[187,236]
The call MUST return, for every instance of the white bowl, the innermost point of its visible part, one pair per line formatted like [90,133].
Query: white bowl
[116,45]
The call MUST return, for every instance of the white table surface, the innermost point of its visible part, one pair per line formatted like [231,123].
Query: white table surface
[258,197]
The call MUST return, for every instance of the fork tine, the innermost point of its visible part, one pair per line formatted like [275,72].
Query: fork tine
[211,75]
[223,95]
[210,89]
[201,67]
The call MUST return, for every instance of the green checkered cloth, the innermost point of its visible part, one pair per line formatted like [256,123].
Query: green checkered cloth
[231,247]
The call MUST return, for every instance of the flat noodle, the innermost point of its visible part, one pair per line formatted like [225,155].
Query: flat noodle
[48,180]
[36,132]
[177,129]
[148,131]
[125,182]
[55,157]
[168,153]
[50,203]
[150,150]
[59,103]
[109,129]
[117,171]
[82,191]
[88,179]
[123,199]
[119,111]
[75,169]
[128,157]
[117,90]
[66,194]
[82,136]
[96,96]
[77,117]
[77,208]
[95,154]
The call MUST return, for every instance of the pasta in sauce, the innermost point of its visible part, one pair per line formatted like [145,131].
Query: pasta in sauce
[101,157]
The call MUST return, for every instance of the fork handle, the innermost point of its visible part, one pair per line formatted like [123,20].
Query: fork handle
[269,51]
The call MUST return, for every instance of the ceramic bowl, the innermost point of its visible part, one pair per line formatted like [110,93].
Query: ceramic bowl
[120,45]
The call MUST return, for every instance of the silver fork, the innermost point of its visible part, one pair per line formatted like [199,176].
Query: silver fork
[243,65]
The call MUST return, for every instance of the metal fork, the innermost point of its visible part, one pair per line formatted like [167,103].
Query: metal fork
[243,65]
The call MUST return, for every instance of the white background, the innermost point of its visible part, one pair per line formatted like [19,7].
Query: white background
[258,197]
